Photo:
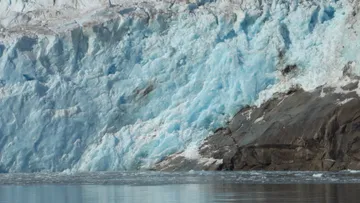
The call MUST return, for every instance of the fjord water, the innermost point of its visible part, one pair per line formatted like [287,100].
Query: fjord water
[202,193]
[202,187]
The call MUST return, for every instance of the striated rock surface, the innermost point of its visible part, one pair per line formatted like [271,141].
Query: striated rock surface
[300,130]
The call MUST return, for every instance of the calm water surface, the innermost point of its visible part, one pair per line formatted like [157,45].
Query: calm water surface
[202,187]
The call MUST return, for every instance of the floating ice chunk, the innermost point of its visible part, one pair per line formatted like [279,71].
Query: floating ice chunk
[352,171]
[317,175]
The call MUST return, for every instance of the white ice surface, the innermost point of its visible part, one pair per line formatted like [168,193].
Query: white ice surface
[92,88]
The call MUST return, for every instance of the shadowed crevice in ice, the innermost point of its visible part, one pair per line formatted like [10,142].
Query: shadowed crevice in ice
[285,34]
[2,49]
[26,43]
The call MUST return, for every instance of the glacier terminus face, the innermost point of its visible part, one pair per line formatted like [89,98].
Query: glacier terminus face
[120,85]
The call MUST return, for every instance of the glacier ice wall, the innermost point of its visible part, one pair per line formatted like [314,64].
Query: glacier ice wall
[123,87]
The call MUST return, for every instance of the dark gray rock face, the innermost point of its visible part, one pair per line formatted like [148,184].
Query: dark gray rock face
[299,130]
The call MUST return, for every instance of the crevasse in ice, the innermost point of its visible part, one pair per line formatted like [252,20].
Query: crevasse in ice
[124,87]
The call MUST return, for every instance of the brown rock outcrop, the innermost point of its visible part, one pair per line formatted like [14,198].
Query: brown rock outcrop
[317,130]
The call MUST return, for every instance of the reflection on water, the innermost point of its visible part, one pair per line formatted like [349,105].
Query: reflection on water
[202,193]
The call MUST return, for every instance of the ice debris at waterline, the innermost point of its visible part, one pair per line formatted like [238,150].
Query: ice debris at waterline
[90,87]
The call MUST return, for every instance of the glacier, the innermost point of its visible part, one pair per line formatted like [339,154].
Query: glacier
[120,85]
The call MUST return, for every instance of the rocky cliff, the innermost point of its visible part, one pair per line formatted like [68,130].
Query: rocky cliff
[318,130]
